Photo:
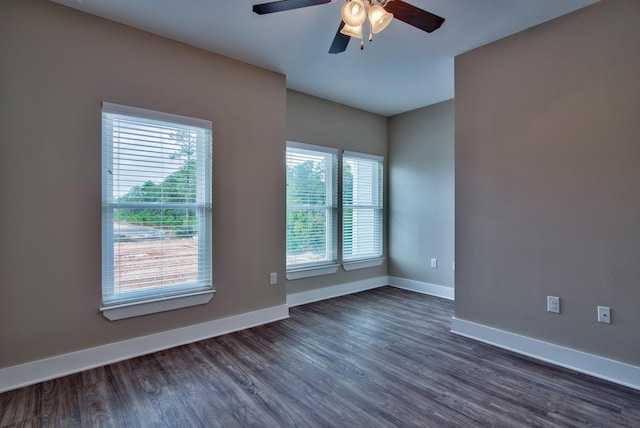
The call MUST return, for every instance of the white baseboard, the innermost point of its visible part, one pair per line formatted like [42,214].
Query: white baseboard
[304,297]
[37,371]
[423,287]
[600,367]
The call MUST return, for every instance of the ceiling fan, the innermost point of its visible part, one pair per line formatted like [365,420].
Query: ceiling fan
[355,12]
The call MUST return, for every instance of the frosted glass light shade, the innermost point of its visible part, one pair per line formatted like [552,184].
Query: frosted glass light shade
[354,13]
[379,18]
[349,30]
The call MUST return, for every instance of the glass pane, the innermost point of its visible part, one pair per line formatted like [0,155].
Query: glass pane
[154,248]
[306,236]
[153,164]
[306,183]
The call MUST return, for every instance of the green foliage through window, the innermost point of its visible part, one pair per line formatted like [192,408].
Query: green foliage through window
[177,188]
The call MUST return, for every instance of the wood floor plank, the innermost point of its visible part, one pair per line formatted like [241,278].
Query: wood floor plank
[192,390]
[54,409]
[20,405]
[381,358]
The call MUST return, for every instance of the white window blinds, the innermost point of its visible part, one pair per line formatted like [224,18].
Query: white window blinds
[362,206]
[156,204]
[311,205]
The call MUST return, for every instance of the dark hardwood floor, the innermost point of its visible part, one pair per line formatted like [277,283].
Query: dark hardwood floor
[381,358]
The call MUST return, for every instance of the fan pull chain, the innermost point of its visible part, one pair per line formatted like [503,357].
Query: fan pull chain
[370,34]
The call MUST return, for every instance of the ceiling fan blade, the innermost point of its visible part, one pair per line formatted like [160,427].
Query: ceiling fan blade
[415,16]
[340,41]
[282,5]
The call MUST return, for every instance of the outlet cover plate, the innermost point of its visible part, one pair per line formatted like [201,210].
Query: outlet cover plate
[553,304]
[604,314]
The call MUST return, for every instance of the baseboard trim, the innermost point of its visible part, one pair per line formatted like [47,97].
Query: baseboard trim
[423,287]
[304,297]
[593,365]
[41,370]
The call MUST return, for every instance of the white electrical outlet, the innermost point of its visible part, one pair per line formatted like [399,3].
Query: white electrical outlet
[434,263]
[604,314]
[553,304]
[273,278]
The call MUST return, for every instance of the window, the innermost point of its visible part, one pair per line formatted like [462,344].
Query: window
[311,210]
[156,211]
[362,208]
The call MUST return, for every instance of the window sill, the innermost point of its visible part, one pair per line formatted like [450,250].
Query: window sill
[362,264]
[312,271]
[135,309]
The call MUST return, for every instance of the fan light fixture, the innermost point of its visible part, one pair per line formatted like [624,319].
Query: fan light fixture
[355,12]
[350,30]
[379,18]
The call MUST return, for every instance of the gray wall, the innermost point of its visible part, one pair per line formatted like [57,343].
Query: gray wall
[57,65]
[547,181]
[316,121]
[421,194]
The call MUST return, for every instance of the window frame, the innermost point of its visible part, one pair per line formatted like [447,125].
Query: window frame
[329,266]
[377,190]
[136,303]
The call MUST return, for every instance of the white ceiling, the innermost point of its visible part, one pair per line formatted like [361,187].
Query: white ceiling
[402,69]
